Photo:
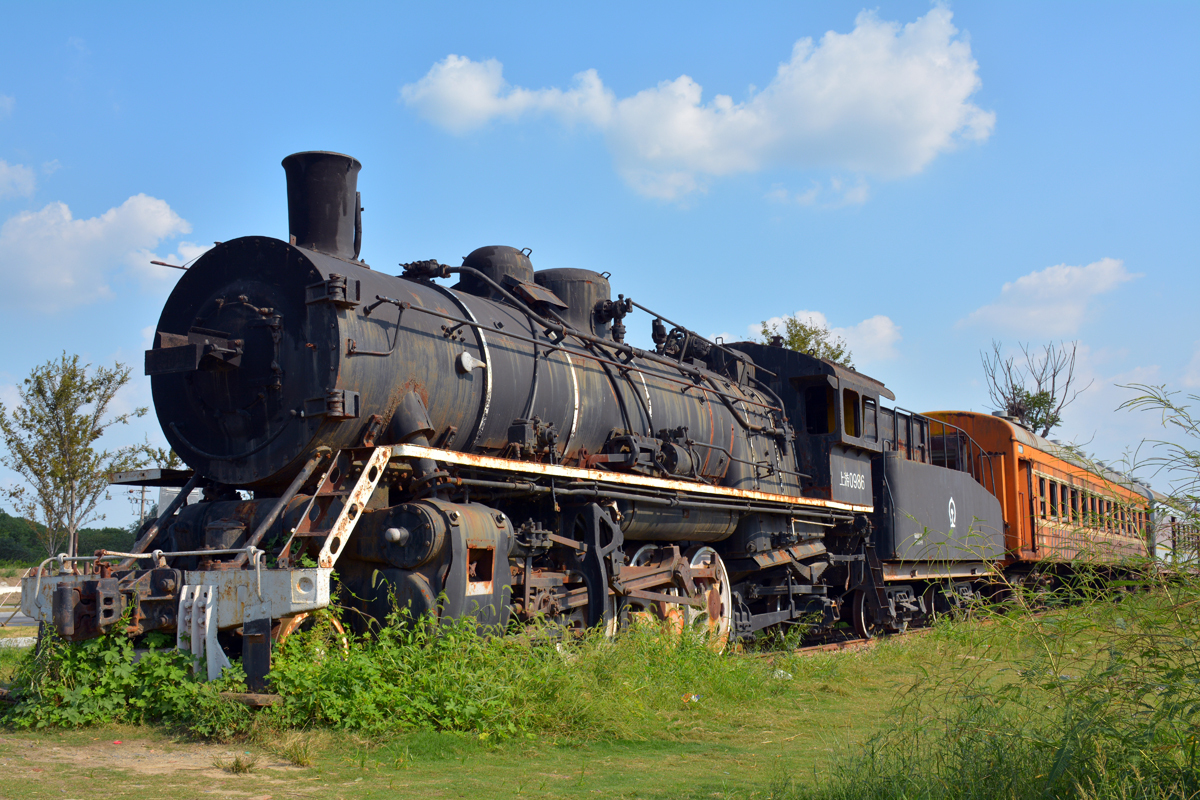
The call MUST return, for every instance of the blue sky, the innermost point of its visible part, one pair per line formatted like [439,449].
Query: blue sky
[926,178]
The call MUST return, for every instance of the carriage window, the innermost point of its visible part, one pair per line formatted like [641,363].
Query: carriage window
[819,409]
[850,413]
[1042,498]
[870,419]
[1074,505]
[1053,500]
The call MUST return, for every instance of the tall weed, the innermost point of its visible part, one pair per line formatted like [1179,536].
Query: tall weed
[1095,696]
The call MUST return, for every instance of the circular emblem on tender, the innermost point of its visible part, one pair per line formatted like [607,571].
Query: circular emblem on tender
[953,512]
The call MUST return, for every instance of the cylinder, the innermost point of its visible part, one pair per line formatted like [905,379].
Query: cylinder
[582,290]
[323,208]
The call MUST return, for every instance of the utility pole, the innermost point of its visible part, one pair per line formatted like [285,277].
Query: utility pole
[138,497]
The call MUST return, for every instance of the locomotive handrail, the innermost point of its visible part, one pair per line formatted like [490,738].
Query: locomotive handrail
[254,554]
[771,470]
[750,426]
[736,355]
[352,347]
[973,448]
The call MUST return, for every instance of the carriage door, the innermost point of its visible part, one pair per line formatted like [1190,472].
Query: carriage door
[1026,499]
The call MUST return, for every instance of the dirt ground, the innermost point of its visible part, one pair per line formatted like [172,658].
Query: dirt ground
[110,768]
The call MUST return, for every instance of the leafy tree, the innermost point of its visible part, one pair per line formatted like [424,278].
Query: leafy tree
[50,440]
[1036,391]
[808,337]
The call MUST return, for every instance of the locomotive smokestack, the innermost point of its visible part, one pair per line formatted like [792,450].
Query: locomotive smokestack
[324,213]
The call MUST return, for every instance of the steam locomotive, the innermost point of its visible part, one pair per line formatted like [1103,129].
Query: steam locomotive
[496,449]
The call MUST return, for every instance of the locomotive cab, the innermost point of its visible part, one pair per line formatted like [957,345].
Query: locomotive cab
[936,526]
[835,411]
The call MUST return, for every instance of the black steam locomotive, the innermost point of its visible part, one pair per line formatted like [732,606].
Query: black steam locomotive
[496,449]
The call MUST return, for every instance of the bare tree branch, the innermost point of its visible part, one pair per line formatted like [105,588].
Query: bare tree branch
[1037,391]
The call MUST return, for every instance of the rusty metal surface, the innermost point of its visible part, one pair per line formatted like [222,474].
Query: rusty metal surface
[237,593]
[353,505]
[578,473]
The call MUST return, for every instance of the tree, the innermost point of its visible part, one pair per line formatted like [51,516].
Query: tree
[808,337]
[50,440]
[1037,391]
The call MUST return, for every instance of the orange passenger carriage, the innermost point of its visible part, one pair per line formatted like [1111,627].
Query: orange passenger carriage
[1058,505]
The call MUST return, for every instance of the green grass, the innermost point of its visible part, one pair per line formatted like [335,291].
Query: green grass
[1095,698]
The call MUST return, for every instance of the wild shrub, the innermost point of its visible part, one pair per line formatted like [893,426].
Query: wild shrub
[99,681]
[414,674]
[426,675]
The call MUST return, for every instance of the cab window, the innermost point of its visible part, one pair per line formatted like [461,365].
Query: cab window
[851,421]
[870,419]
[819,409]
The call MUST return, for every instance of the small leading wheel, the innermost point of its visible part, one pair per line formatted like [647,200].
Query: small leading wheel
[715,617]
[865,623]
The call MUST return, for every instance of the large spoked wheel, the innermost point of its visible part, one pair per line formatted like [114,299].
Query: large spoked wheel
[715,617]
[865,624]
[670,615]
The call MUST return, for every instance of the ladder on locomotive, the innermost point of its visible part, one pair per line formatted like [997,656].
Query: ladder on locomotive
[337,505]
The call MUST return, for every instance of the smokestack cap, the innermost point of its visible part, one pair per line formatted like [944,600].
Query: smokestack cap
[324,212]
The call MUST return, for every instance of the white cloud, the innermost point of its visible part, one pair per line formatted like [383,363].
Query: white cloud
[7,104]
[461,95]
[870,341]
[884,99]
[16,180]
[50,260]
[837,195]
[1053,301]
[10,395]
